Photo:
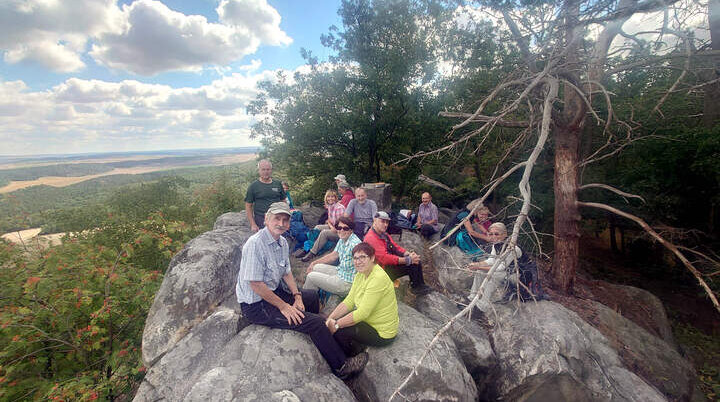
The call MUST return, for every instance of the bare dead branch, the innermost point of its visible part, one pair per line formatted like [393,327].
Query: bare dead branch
[435,183]
[688,53]
[486,119]
[524,185]
[492,187]
[613,189]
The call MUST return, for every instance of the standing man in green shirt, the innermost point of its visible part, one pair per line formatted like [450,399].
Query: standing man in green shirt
[260,194]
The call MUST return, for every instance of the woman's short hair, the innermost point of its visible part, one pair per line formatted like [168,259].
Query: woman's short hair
[365,248]
[499,226]
[347,221]
[472,204]
[329,193]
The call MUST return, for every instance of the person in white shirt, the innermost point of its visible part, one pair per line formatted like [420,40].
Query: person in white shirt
[498,234]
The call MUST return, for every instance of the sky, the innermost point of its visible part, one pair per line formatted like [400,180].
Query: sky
[79,76]
[85,76]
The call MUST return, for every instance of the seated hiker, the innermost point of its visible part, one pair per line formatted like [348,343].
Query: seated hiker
[498,234]
[268,295]
[327,231]
[369,313]
[394,259]
[427,217]
[332,278]
[362,210]
[473,232]
[345,192]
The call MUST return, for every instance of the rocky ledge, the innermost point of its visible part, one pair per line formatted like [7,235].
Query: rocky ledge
[197,347]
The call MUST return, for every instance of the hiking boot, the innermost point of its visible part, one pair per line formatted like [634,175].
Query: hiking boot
[309,256]
[299,253]
[421,290]
[353,366]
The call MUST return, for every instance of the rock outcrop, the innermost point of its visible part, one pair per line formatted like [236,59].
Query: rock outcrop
[197,346]
[199,278]
[440,377]
[546,352]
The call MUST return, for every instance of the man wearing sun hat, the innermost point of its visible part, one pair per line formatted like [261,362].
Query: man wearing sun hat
[269,296]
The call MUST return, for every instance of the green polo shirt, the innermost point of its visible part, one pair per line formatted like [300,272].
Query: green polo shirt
[261,195]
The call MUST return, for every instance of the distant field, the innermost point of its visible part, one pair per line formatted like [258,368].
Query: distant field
[82,170]
[43,205]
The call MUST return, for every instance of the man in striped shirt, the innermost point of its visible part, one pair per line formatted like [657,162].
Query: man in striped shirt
[268,294]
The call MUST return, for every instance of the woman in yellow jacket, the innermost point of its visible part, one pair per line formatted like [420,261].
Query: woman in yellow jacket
[369,313]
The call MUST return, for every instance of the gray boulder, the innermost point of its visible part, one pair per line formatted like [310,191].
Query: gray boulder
[263,364]
[546,352]
[450,263]
[626,299]
[411,241]
[471,339]
[200,277]
[656,361]
[174,374]
[440,376]
[311,214]
[232,220]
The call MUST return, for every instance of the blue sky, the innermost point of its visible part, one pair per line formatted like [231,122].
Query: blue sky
[109,75]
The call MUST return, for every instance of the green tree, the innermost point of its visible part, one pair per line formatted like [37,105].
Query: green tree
[358,113]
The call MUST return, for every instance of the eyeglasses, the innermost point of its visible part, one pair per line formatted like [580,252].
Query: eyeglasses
[361,258]
[495,234]
[344,228]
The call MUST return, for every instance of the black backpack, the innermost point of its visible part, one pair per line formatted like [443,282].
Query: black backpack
[530,288]
[453,222]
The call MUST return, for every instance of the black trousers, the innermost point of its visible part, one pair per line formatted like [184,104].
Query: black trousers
[414,271]
[427,231]
[352,339]
[264,313]
[259,220]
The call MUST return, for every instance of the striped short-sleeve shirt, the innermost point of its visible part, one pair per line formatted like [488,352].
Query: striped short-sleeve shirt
[264,259]
[344,248]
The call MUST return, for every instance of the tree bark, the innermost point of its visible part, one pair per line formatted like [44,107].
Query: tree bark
[567,216]
[567,133]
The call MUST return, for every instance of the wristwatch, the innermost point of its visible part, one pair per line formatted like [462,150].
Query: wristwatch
[336,326]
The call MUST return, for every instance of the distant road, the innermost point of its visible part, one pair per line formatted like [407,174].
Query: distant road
[57,181]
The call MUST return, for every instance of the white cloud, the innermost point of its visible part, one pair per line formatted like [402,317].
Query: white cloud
[93,115]
[157,39]
[145,37]
[256,16]
[52,32]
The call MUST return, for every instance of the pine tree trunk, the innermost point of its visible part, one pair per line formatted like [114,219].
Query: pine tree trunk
[567,216]
[567,131]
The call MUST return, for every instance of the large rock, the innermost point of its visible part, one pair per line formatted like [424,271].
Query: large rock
[200,277]
[411,241]
[652,358]
[236,220]
[311,214]
[175,373]
[454,277]
[546,352]
[441,375]
[267,364]
[471,339]
[635,304]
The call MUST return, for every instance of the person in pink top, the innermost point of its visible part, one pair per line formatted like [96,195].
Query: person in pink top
[347,193]
[328,231]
